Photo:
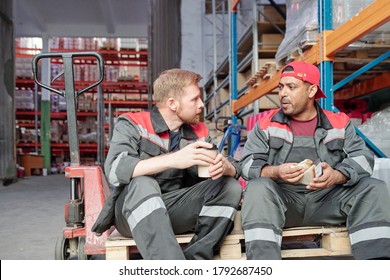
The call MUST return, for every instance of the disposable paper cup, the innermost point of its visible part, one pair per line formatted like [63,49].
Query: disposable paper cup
[203,170]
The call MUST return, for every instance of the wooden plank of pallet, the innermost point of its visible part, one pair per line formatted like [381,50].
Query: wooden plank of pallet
[297,231]
[296,253]
[116,239]
[334,242]
[337,242]
[305,253]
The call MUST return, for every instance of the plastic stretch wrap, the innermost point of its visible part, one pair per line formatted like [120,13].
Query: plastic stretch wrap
[301,16]
[377,129]
[302,24]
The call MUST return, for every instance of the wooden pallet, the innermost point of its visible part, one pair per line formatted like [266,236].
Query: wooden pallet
[265,72]
[334,241]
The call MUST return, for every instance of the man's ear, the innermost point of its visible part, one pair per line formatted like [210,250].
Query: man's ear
[313,91]
[172,104]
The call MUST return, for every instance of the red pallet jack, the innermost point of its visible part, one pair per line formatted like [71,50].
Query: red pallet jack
[88,185]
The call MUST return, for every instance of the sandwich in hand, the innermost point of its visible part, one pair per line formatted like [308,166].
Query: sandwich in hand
[309,168]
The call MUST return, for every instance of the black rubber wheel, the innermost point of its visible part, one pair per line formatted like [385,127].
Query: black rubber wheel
[80,249]
[62,248]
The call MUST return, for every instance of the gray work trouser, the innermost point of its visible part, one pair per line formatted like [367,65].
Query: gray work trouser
[152,218]
[269,207]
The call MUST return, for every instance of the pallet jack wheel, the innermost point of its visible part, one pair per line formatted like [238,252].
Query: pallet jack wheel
[80,249]
[62,249]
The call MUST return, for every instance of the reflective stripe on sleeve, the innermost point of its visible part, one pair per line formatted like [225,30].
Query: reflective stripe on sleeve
[218,211]
[262,234]
[362,161]
[112,178]
[246,167]
[369,234]
[145,209]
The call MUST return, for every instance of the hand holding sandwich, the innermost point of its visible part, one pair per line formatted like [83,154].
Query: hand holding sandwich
[329,178]
[304,173]
[287,172]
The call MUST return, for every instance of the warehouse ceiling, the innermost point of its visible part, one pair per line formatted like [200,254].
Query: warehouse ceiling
[80,18]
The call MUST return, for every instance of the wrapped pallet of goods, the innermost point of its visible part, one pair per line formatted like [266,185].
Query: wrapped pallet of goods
[302,26]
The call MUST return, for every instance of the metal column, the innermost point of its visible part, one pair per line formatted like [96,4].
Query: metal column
[325,22]
[233,63]
[45,108]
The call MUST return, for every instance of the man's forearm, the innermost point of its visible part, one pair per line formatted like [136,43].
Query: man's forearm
[271,172]
[231,170]
[152,165]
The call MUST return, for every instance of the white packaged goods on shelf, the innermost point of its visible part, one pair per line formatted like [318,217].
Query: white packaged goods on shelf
[23,68]
[111,73]
[301,16]
[79,43]
[302,24]
[382,170]
[54,102]
[108,43]
[24,99]
[55,69]
[377,129]
[143,74]
[343,10]
[28,42]
[129,43]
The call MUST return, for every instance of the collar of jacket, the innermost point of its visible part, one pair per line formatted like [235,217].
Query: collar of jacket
[160,126]
[322,121]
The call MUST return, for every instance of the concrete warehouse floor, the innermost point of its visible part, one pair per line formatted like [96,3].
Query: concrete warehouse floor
[32,217]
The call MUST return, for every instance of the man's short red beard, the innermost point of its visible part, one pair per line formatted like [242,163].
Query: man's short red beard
[194,120]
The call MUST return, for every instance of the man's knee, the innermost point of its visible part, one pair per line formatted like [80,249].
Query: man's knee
[137,190]
[233,186]
[144,184]
[259,187]
[143,180]
[377,191]
[374,186]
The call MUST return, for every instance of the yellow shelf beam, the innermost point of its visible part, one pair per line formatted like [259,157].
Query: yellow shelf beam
[363,23]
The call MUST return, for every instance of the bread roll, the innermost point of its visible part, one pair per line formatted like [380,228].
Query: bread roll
[309,174]
[306,164]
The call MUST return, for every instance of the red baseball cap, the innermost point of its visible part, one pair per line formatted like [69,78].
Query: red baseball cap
[305,72]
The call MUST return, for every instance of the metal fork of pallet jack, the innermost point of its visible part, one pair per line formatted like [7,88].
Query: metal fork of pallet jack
[74,214]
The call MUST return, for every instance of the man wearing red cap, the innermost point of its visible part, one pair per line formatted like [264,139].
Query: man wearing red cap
[281,193]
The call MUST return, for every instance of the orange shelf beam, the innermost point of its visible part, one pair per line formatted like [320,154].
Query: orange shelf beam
[265,87]
[233,5]
[366,87]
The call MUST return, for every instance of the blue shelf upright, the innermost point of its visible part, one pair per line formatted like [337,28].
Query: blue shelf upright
[325,22]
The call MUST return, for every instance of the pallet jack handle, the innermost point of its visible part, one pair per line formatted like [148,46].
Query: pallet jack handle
[69,93]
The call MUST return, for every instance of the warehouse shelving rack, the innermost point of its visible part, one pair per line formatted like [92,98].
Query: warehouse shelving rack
[255,24]
[323,53]
[112,102]
[325,50]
